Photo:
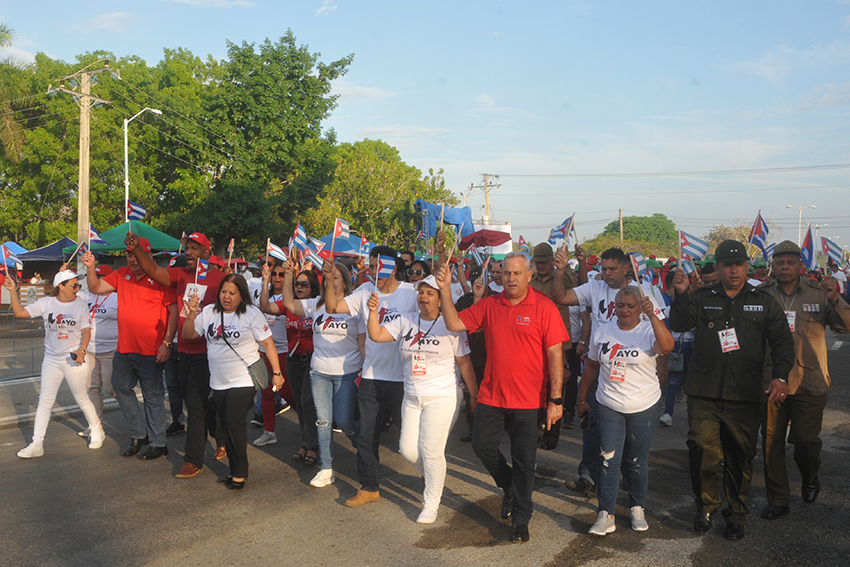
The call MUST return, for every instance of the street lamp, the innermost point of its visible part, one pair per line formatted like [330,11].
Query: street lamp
[800,221]
[127,159]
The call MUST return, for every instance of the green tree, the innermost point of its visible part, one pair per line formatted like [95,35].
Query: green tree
[657,228]
[14,96]
[602,242]
[374,190]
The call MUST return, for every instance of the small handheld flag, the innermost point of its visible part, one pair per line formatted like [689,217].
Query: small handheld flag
[364,245]
[807,251]
[94,237]
[300,237]
[230,247]
[341,229]
[276,251]
[201,270]
[135,211]
[831,250]
[313,256]
[758,234]
[476,255]
[768,252]
[688,266]
[420,235]
[640,270]
[695,248]
[386,265]
[317,244]
[523,245]
[636,268]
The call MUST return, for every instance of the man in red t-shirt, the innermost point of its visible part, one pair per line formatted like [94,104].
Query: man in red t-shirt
[523,333]
[192,366]
[147,321]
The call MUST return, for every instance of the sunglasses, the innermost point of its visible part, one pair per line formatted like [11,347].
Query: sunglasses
[75,286]
[415,272]
[302,284]
[279,274]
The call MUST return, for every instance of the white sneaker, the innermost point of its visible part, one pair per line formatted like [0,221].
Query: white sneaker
[427,516]
[604,525]
[85,432]
[98,436]
[31,451]
[666,419]
[638,519]
[267,438]
[323,478]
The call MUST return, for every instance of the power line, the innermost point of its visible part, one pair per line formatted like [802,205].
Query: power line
[786,169]
[14,100]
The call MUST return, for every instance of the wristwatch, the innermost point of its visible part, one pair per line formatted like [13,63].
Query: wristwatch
[167,343]
[278,374]
[556,401]
[783,380]
[583,343]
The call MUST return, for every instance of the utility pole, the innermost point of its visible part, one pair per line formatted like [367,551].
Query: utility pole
[486,186]
[84,95]
[621,227]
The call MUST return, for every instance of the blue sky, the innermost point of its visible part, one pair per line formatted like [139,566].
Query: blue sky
[535,90]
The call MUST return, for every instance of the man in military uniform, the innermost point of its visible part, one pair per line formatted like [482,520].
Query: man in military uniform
[733,322]
[542,281]
[809,308]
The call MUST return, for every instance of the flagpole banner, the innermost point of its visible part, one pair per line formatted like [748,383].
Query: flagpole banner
[695,248]
[135,211]
[807,251]
[758,234]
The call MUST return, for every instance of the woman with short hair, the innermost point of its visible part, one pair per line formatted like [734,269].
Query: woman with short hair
[233,329]
[621,355]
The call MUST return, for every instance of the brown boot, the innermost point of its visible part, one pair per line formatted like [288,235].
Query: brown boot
[362,497]
[188,470]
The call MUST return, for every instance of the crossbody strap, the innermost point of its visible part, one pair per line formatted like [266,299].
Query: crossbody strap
[228,344]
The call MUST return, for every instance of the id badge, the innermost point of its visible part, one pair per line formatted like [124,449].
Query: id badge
[792,319]
[618,371]
[418,367]
[62,332]
[270,320]
[728,340]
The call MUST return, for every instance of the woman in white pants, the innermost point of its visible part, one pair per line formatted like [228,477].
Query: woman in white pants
[431,393]
[67,331]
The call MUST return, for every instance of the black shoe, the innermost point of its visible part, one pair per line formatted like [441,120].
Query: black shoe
[702,522]
[549,444]
[811,491]
[520,534]
[281,407]
[135,446]
[467,438]
[175,428]
[583,486]
[773,512]
[153,453]
[386,424]
[734,532]
[568,421]
[506,510]
[257,420]
[231,484]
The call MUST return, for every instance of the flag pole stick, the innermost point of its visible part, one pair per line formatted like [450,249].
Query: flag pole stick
[636,269]
[268,241]
[457,243]
[197,269]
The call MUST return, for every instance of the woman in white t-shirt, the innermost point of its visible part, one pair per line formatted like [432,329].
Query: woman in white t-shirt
[336,362]
[233,329]
[432,395]
[67,332]
[621,356]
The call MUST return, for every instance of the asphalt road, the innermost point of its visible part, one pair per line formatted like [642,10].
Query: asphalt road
[75,506]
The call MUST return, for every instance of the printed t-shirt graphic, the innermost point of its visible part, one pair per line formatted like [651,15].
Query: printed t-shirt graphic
[335,348]
[63,324]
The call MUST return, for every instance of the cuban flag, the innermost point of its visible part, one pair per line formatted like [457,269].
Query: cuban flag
[94,237]
[201,269]
[758,234]
[313,256]
[768,252]
[831,250]
[317,244]
[688,266]
[476,255]
[9,259]
[562,231]
[695,248]
[364,245]
[230,247]
[638,263]
[386,265]
[807,251]
[276,251]
[523,245]
[341,229]
[300,237]
[420,235]
[135,211]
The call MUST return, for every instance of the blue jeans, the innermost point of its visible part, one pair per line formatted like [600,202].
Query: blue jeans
[624,437]
[334,397]
[127,371]
[676,379]
[588,468]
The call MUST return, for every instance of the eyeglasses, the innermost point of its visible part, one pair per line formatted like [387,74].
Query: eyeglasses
[75,286]
[412,272]
[279,274]
[270,264]
[302,284]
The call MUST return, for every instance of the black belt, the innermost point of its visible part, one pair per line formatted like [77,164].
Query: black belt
[302,356]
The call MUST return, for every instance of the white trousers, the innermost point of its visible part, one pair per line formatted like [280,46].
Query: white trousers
[425,426]
[53,371]
[101,378]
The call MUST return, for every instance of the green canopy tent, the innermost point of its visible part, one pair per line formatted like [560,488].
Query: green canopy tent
[115,238]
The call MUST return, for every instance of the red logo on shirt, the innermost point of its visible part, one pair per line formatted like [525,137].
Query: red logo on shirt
[520,320]
[618,351]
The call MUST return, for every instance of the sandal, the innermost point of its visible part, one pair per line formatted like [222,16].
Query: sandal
[299,456]
[311,459]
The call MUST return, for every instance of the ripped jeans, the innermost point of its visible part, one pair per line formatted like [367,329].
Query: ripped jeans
[624,437]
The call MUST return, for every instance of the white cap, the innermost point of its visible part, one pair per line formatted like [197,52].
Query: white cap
[429,281]
[63,276]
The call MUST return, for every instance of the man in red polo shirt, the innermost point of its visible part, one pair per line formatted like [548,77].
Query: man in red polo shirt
[192,366]
[523,332]
[147,320]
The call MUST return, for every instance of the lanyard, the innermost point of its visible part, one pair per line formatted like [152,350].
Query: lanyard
[793,297]
[419,330]
[96,304]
